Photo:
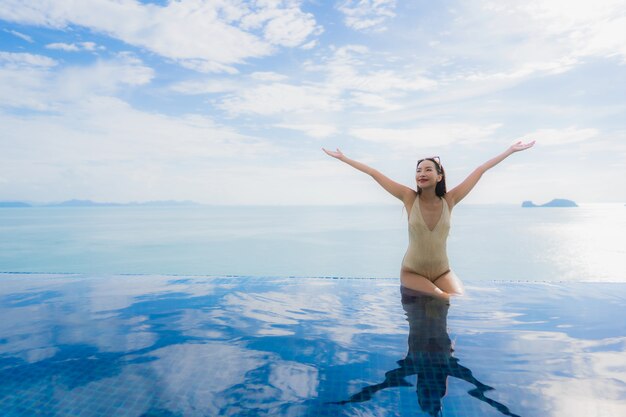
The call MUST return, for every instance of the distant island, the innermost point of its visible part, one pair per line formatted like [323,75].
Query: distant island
[557,202]
[89,203]
[14,204]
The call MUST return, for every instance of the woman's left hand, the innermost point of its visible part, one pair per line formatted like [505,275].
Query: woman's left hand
[519,146]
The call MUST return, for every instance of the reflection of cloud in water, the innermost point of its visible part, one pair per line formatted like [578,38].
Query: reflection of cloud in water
[74,309]
[295,381]
[575,371]
[280,308]
[557,351]
[218,378]
[343,357]
[190,377]
[108,334]
[33,334]
[201,346]
[340,317]
[36,355]
[575,377]
[372,411]
[119,292]
[200,323]
[106,394]
[583,397]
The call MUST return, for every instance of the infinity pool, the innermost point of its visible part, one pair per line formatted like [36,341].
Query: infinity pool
[147,345]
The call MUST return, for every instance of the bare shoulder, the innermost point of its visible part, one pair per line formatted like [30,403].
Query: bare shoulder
[449,201]
[409,199]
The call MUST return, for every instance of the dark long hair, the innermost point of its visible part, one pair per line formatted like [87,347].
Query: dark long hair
[440,188]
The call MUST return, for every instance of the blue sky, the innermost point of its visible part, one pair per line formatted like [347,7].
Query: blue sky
[230,102]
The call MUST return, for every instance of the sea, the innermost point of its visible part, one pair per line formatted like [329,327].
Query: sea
[194,311]
[486,242]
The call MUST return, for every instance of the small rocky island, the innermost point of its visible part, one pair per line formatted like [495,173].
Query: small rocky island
[557,202]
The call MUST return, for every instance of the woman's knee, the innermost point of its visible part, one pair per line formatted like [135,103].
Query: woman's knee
[450,284]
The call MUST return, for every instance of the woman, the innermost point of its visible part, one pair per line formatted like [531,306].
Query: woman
[425,265]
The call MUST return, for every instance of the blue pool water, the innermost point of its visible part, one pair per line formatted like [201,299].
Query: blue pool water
[158,345]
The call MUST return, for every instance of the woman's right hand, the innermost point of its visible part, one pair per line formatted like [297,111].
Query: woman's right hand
[335,154]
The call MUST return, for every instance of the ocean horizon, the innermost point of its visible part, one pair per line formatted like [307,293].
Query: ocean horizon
[487,241]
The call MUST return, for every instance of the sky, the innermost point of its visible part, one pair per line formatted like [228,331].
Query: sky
[230,102]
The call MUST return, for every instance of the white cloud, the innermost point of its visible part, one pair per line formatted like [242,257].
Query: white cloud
[396,88]
[268,76]
[543,36]
[379,82]
[435,135]
[28,81]
[310,45]
[20,35]
[204,36]
[350,69]
[346,79]
[550,137]
[482,46]
[85,129]
[90,46]
[202,65]
[209,86]
[270,99]
[312,129]
[374,101]
[584,28]
[21,59]
[74,47]
[524,71]
[103,77]
[69,47]
[102,148]
[367,15]
[24,80]
[289,27]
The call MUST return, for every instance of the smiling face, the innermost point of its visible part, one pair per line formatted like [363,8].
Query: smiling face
[426,175]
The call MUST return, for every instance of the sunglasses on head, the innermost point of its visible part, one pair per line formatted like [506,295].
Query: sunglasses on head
[430,158]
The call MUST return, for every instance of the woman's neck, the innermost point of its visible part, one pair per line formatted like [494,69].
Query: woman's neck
[428,195]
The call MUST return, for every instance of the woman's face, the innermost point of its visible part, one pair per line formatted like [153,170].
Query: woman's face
[426,174]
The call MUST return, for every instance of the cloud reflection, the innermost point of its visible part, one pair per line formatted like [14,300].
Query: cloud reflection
[135,346]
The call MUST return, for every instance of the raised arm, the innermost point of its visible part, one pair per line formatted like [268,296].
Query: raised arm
[460,191]
[399,191]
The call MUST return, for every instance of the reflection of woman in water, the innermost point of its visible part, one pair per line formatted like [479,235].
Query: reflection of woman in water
[429,357]
[425,265]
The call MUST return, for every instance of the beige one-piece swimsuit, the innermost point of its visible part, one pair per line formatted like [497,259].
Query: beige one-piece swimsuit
[426,254]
